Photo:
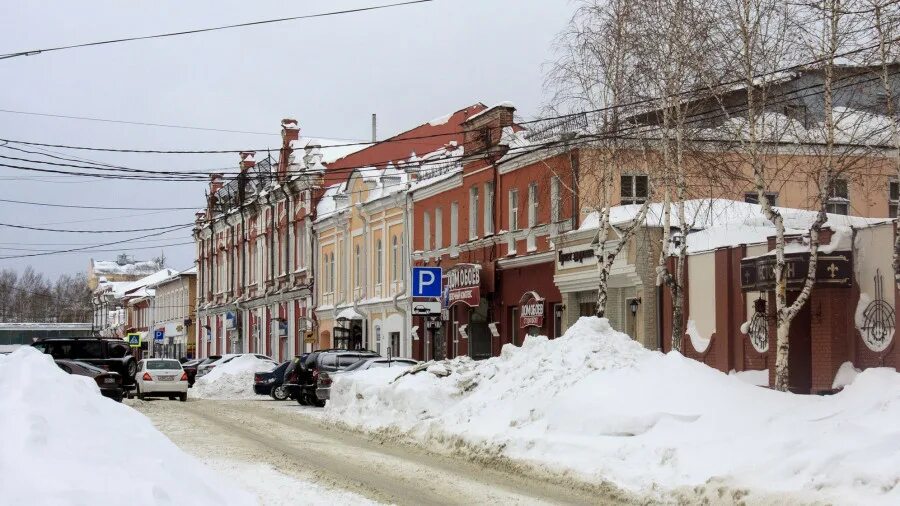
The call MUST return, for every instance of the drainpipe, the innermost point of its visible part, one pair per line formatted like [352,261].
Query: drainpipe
[364,264]
[405,252]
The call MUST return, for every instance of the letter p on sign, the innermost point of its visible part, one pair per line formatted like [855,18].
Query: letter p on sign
[426,281]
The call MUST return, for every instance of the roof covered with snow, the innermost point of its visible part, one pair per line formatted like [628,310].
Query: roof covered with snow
[131,268]
[717,223]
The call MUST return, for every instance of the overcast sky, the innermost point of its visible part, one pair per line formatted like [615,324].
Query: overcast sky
[407,64]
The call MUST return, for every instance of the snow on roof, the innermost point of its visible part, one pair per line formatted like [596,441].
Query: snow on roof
[717,223]
[332,149]
[328,204]
[111,267]
[133,288]
[505,104]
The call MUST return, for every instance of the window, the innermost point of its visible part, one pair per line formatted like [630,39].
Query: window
[513,210]
[395,256]
[554,199]
[532,205]
[634,189]
[426,231]
[454,223]
[488,208]
[797,113]
[357,268]
[379,262]
[331,274]
[753,198]
[838,201]
[473,213]
[893,198]
[438,228]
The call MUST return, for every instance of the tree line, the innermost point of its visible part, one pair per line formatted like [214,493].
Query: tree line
[30,296]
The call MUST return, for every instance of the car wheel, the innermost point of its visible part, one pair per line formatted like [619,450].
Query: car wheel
[301,399]
[319,403]
[279,393]
[183,398]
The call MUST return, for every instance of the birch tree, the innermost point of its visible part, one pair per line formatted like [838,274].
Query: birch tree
[595,72]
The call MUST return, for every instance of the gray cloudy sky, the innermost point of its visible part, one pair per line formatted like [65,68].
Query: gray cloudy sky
[408,64]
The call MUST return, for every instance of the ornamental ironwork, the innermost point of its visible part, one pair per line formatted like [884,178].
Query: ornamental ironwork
[759,327]
[878,319]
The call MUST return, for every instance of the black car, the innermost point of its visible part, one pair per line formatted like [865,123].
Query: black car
[325,360]
[271,383]
[108,354]
[110,383]
[190,367]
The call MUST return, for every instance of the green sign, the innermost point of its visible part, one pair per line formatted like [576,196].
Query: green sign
[134,340]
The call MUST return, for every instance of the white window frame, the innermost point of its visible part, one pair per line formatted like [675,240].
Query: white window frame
[632,186]
[489,208]
[438,228]
[532,205]
[554,199]
[357,267]
[473,213]
[379,259]
[454,223]
[837,203]
[426,231]
[513,210]
[395,257]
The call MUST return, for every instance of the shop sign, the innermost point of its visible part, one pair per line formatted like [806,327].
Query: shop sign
[531,310]
[584,256]
[834,269]
[463,284]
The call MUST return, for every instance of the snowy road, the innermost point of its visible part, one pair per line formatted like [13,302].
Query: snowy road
[267,445]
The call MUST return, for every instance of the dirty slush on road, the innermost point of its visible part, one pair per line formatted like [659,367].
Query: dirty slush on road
[293,441]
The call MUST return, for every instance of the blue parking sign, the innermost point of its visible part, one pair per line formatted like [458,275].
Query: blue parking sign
[159,335]
[426,281]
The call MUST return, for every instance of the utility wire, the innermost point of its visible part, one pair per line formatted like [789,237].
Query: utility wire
[71,250]
[71,206]
[129,231]
[32,52]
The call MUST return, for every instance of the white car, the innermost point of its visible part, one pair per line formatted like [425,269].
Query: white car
[205,369]
[161,377]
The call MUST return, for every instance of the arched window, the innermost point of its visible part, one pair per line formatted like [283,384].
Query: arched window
[395,256]
[379,262]
[358,267]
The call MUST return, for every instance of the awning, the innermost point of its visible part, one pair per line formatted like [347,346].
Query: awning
[348,314]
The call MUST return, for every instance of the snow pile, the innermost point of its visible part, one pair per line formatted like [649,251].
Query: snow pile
[845,376]
[753,377]
[596,403]
[65,444]
[232,380]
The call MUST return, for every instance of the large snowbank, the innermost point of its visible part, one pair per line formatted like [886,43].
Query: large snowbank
[233,380]
[65,444]
[595,402]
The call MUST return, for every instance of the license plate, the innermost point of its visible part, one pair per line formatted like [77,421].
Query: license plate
[166,378]
[109,380]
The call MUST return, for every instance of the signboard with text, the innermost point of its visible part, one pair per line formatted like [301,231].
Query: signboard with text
[834,269]
[531,310]
[463,284]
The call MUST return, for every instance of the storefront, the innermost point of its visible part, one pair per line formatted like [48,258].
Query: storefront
[531,304]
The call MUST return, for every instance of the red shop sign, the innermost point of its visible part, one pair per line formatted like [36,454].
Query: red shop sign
[531,310]
[463,284]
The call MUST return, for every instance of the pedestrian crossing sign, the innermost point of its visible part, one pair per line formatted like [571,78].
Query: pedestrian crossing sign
[134,340]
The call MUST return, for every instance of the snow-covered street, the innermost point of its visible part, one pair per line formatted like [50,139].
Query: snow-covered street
[285,454]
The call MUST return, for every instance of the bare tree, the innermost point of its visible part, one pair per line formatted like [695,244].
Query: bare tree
[595,71]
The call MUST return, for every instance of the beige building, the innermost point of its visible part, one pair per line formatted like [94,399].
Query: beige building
[123,268]
[174,308]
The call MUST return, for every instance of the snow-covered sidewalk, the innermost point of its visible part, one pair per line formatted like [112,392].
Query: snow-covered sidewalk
[597,404]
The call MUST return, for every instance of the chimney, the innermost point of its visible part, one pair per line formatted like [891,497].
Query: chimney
[290,132]
[374,127]
[216,182]
[248,160]
[484,130]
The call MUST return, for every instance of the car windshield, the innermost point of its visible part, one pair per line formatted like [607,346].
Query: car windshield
[156,365]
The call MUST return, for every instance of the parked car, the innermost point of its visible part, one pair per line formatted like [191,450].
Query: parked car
[271,383]
[205,369]
[110,383]
[161,377]
[325,361]
[326,378]
[190,367]
[109,354]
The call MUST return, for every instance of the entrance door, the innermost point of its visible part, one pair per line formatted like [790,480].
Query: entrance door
[479,334]
[395,344]
[800,354]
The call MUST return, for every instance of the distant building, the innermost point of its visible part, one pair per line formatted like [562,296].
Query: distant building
[123,268]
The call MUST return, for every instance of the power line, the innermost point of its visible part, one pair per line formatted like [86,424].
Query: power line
[72,250]
[32,52]
[39,229]
[72,206]
[158,246]
[162,125]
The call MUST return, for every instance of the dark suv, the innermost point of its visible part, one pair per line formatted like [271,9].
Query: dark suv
[327,361]
[110,354]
